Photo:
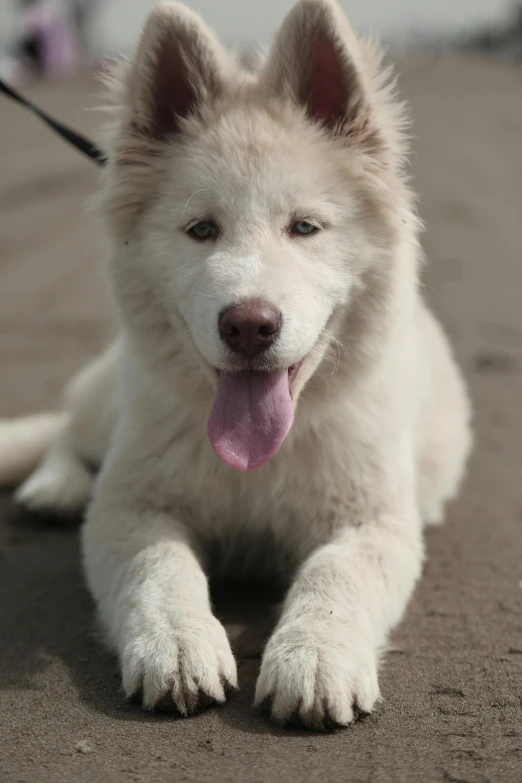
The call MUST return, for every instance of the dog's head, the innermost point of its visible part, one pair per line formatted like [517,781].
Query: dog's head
[255,218]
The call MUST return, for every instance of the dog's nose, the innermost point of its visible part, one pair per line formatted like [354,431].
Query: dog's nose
[251,327]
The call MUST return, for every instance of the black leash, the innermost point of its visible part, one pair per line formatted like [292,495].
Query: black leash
[77,140]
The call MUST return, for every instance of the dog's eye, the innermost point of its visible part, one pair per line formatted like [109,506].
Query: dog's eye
[303,228]
[205,229]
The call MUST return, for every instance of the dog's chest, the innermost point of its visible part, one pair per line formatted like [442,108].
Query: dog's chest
[279,511]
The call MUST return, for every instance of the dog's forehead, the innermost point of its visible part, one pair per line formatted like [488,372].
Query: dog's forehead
[253,157]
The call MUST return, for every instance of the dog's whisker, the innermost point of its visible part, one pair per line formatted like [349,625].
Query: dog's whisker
[326,352]
[340,348]
[329,354]
[337,342]
[201,190]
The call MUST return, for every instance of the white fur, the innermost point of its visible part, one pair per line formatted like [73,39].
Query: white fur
[381,433]
[23,444]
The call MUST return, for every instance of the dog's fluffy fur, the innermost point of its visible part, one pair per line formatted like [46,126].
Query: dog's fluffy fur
[381,431]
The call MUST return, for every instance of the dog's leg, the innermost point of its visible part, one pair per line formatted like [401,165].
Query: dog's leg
[61,484]
[321,663]
[153,599]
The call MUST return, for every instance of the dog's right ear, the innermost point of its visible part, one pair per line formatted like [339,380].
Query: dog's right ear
[179,64]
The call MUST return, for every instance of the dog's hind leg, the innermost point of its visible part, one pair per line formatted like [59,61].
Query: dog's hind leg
[61,484]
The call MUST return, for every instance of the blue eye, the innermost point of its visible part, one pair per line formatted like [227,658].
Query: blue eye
[303,228]
[205,229]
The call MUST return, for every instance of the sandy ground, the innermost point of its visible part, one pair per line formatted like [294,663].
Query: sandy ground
[452,683]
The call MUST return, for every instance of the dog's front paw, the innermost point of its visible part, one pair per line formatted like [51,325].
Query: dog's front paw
[182,660]
[318,677]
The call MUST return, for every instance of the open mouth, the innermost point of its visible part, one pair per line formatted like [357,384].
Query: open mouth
[292,372]
[252,415]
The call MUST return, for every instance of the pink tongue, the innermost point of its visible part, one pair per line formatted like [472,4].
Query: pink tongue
[251,417]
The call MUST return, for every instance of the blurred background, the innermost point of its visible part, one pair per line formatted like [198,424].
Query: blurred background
[109,26]
[454,686]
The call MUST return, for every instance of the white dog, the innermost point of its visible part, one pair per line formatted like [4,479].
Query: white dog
[277,373]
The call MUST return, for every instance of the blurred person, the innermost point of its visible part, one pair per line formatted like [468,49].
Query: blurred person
[52,39]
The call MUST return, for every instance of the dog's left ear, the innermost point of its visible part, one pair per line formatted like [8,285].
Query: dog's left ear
[317,61]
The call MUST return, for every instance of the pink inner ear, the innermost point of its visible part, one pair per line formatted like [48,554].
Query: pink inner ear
[174,95]
[324,90]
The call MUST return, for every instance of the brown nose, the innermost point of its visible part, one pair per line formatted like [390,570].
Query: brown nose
[251,327]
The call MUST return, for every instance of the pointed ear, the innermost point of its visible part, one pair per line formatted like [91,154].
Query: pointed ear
[317,61]
[179,64]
